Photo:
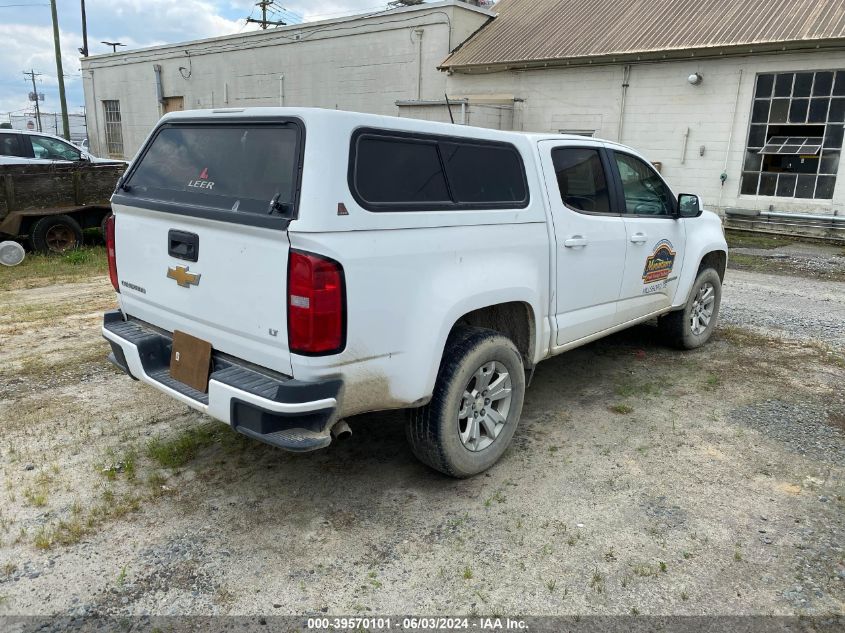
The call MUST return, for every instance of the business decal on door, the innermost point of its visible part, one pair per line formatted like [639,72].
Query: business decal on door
[659,264]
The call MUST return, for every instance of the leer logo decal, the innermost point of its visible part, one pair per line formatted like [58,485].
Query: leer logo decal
[182,277]
[202,182]
[659,264]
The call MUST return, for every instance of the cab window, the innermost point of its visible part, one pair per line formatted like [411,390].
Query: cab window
[581,179]
[10,146]
[47,148]
[644,191]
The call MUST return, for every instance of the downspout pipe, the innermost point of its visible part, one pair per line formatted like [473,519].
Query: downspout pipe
[626,76]
[419,34]
[159,86]
[724,175]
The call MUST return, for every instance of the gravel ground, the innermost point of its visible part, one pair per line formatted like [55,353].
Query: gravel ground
[641,480]
[793,307]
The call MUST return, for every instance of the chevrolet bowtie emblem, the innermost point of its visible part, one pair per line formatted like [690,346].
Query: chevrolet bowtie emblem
[182,277]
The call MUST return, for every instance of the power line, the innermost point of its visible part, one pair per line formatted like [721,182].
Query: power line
[264,22]
[32,75]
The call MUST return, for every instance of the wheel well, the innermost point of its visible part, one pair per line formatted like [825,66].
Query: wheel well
[718,260]
[88,218]
[514,320]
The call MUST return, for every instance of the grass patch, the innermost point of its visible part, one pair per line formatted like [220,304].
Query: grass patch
[645,571]
[597,582]
[38,270]
[742,337]
[621,409]
[741,239]
[631,388]
[52,311]
[36,367]
[778,266]
[467,573]
[84,522]
[116,465]
[178,451]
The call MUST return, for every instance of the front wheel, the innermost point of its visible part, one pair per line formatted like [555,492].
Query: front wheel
[692,327]
[475,407]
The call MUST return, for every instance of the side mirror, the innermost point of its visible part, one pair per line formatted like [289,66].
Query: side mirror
[689,205]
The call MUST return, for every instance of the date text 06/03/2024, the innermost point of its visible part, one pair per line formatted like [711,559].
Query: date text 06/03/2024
[416,623]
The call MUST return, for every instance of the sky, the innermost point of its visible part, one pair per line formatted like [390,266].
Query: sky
[26,31]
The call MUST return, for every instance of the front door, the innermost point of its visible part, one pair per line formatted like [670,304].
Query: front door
[589,235]
[656,239]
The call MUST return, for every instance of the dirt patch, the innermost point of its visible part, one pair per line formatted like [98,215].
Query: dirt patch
[641,479]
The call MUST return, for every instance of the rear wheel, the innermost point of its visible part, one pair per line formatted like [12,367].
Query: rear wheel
[56,234]
[475,407]
[692,327]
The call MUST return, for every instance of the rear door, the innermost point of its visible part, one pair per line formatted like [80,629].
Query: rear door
[12,150]
[589,235]
[656,239]
[201,234]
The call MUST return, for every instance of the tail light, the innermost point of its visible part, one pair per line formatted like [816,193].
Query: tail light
[111,252]
[316,305]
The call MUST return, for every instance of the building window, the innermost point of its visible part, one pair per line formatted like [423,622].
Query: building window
[114,134]
[795,135]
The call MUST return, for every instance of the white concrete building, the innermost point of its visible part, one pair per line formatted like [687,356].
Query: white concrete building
[365,63]
[741,102]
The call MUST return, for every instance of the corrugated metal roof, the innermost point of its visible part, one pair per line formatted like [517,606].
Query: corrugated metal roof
[528,31]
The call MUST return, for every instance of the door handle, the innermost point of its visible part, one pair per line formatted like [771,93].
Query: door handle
[639,238]
[575,241]
[183,245]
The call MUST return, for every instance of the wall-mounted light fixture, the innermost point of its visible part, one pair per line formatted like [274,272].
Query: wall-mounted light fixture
[695,79]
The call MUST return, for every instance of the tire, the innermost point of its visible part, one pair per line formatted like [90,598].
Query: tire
[56,234]
[677,327]
[443,434]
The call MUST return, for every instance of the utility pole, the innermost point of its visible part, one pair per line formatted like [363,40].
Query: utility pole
[84,50]
[32,75]
[61,76]
[264,22]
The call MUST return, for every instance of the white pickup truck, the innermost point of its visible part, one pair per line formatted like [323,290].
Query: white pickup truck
[281,269]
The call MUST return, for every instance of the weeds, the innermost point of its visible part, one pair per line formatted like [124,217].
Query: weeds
[621,409]
[119,464]
[644,571]
[741,239]
[45,270]
[467,573]
[597,582]
[178,451]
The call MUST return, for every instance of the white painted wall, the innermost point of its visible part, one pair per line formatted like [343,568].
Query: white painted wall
[362,63]
[660,106]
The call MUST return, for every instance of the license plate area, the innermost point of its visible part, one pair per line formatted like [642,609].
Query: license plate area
[190,361]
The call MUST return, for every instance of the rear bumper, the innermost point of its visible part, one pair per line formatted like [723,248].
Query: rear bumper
[271,408]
